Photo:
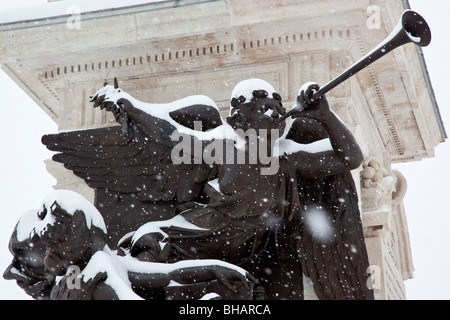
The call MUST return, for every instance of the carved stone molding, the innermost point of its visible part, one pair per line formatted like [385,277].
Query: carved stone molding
[373,174]
[193,51]
[399,148]
[378,185]
[166,55]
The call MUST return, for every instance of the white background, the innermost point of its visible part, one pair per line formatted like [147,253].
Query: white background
[24,181]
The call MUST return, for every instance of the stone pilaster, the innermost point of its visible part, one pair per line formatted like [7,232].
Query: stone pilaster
[385,229]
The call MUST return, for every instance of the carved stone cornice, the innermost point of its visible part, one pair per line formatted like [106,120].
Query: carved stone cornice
[194,47]
[393,132]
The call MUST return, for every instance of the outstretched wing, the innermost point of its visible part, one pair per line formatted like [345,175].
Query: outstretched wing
[140,163]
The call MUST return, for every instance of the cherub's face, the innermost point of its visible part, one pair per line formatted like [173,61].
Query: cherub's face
[28,268]
[66,240]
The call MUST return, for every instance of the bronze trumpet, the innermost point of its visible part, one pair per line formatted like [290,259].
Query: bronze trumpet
[411,27]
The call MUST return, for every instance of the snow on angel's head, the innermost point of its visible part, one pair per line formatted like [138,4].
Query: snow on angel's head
[70,202]
[246,88]
[70,228]
[255,104]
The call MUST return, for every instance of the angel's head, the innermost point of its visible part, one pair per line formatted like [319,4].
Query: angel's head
[255,104]
[27,266]
[71,229]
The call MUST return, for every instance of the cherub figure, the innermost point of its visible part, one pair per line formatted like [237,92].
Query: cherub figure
[74,235]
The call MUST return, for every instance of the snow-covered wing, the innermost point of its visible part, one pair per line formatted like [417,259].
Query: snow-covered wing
[140,163]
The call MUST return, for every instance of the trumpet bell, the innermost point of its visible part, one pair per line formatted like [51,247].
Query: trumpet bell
[416,28]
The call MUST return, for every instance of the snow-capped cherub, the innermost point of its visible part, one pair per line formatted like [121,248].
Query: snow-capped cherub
[75,237]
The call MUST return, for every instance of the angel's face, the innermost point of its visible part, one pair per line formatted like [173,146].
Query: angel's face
[67,240]
[28,268]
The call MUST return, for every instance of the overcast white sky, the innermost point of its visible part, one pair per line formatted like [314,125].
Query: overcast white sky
[25,182]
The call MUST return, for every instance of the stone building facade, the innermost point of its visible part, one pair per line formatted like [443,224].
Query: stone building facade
[162,51]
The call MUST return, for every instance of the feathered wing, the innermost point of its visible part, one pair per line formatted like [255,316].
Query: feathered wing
[332,247]
[139,163]
[331,241]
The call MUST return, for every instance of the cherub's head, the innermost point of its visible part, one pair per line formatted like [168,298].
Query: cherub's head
[255,104]
[27,266]
[71,229]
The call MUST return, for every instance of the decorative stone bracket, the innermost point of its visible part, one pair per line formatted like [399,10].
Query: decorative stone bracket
[381,189]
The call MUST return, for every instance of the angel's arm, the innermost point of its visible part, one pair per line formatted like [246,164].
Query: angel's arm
[190,275]
[345,154]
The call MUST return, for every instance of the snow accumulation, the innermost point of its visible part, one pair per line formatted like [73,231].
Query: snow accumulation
[215,184]
[210,296]
[70,201]
[245,88]
[162,111]
[26,224]
[65,8]
[134,265]
[224,131]
[303,88]
[117,268]
[155,227]
[117,277]
[287,147]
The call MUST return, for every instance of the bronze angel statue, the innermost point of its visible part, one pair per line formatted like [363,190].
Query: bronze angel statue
[176,182]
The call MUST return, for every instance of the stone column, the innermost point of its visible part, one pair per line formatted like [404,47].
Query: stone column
[70,117]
